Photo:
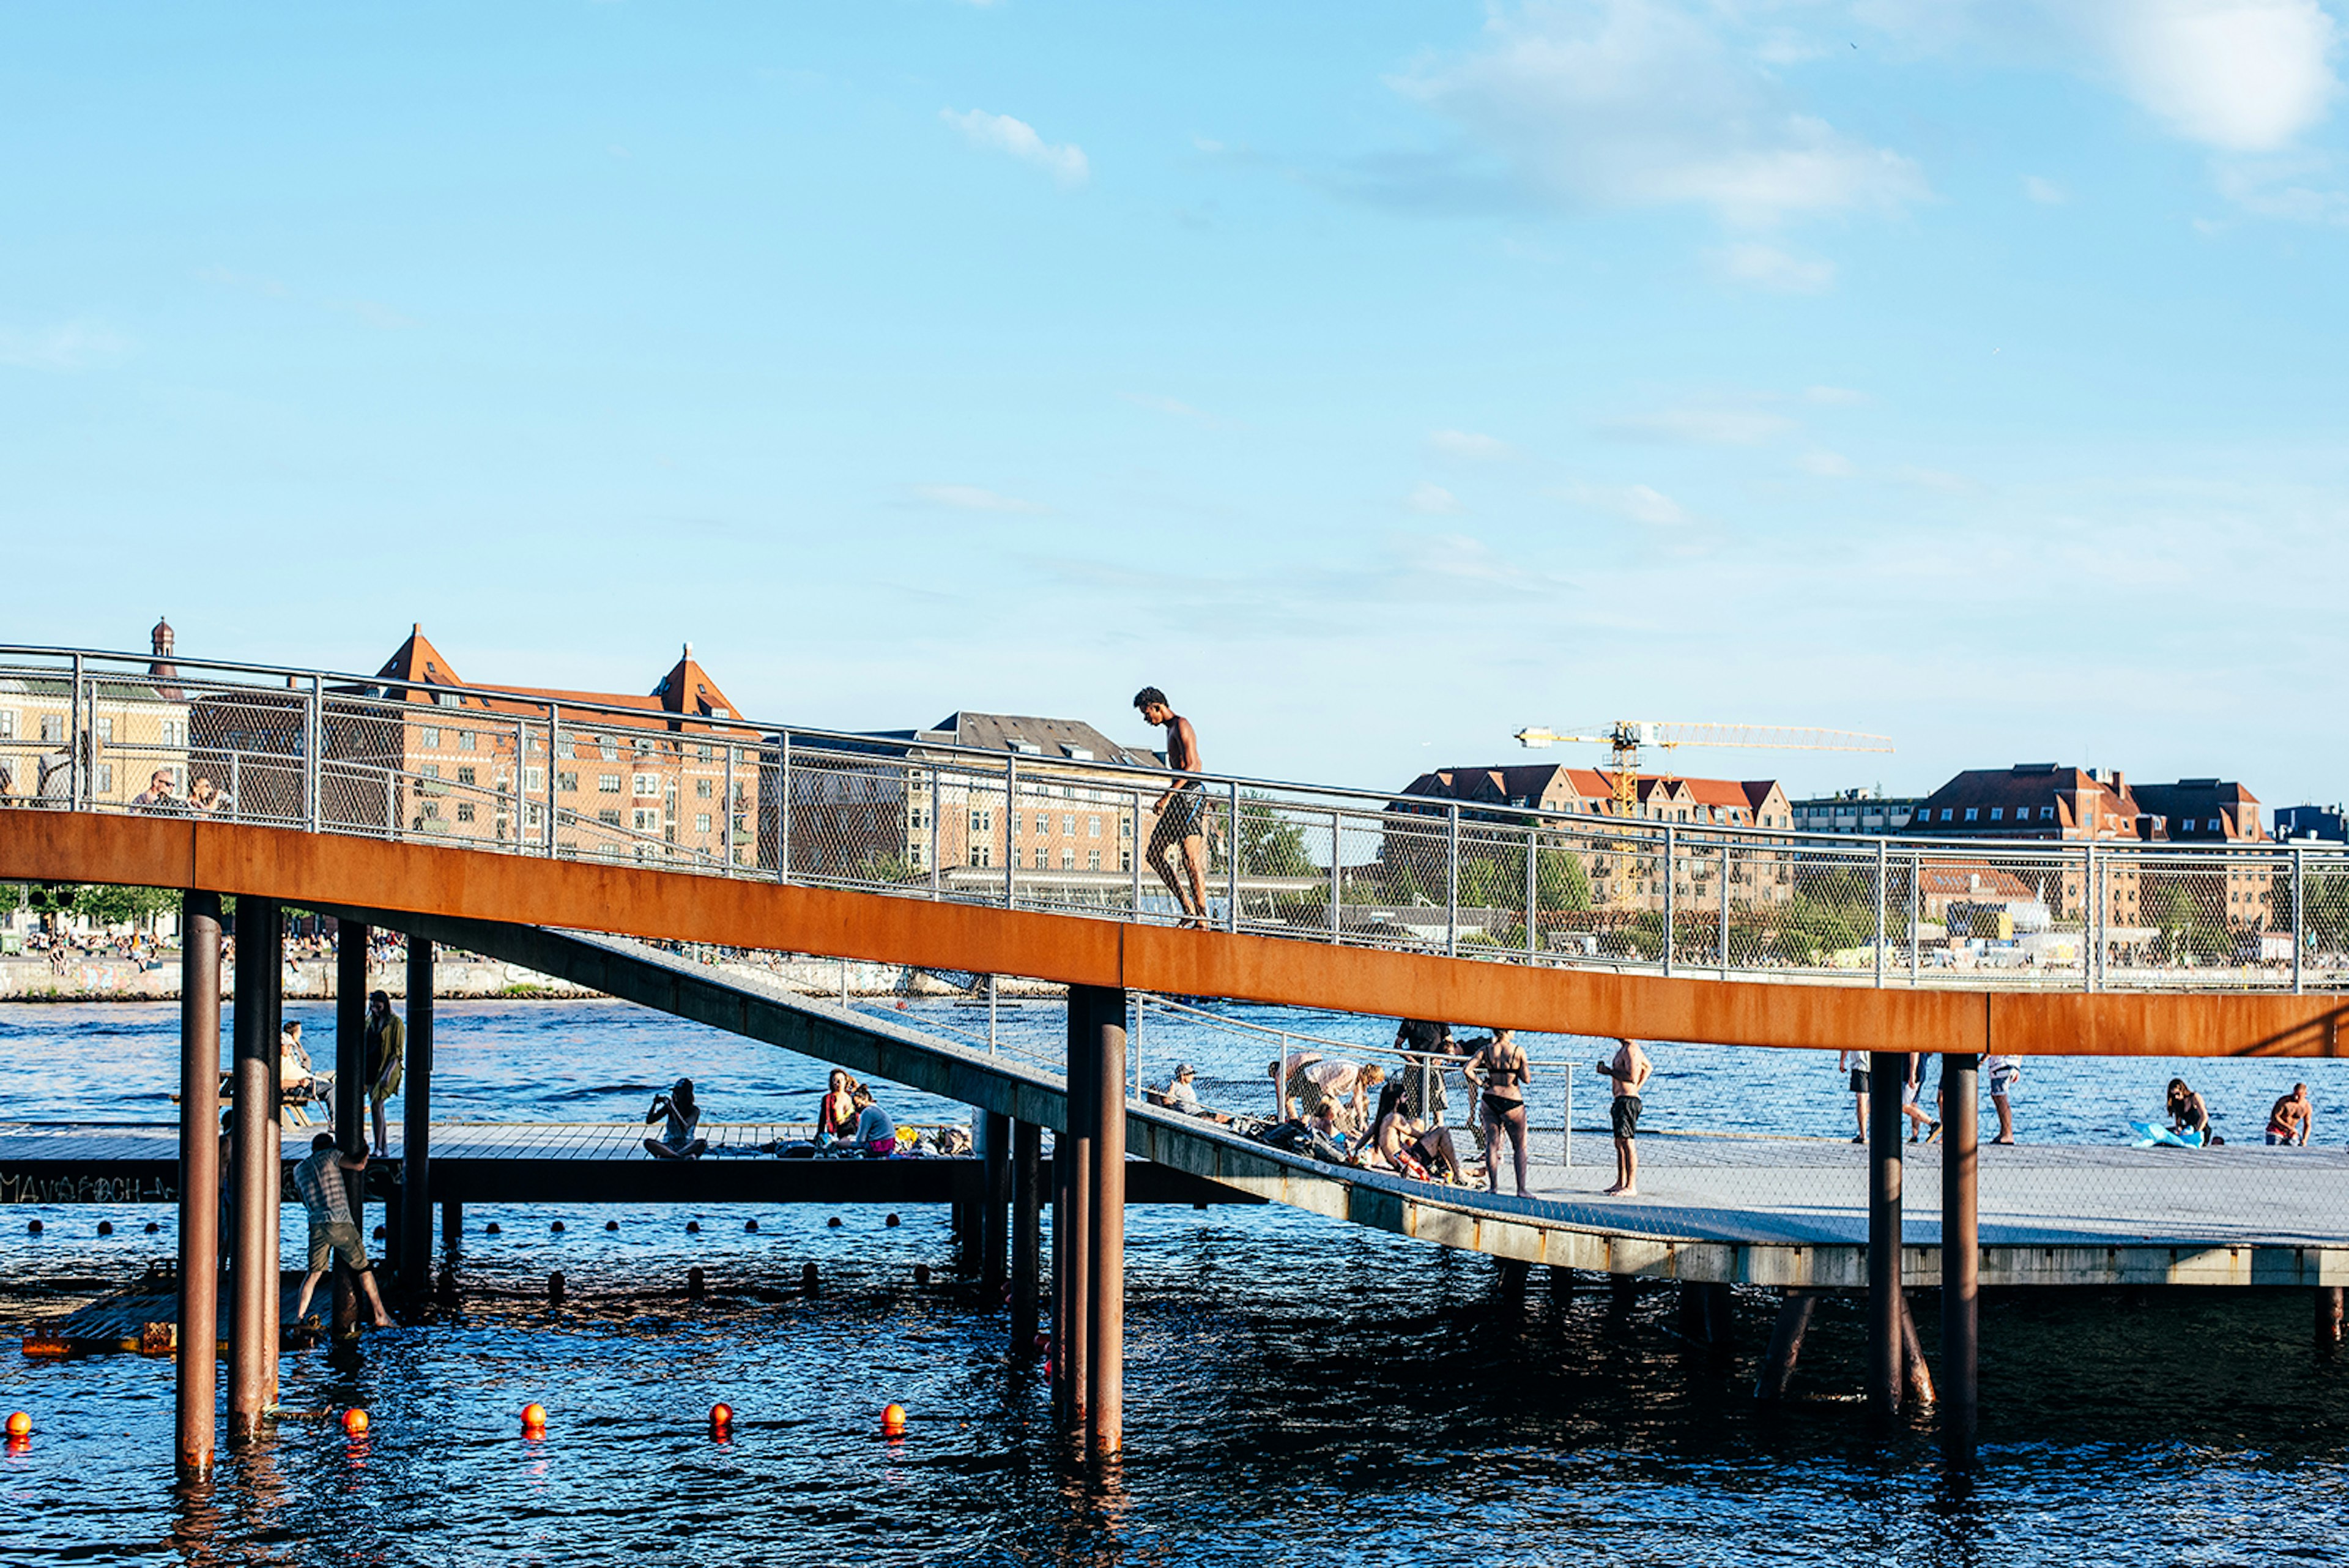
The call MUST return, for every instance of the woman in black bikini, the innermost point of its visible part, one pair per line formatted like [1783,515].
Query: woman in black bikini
[1500,1065]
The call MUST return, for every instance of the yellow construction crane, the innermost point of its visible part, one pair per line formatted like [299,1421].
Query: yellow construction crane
[1628,735]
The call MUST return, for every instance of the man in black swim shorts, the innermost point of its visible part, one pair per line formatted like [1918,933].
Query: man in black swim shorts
[1182,811]
[1628,1070]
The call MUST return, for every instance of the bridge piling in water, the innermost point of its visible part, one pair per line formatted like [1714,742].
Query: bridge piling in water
[995,1193]
[1027,1158]
[1102,1012]
[1887,1071]
[1961,1399]
[1072,1165]
[198,1369]
[415,1131]
[350,1103]
[253,1305]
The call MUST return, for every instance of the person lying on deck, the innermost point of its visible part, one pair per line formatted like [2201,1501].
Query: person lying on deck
[678,1139]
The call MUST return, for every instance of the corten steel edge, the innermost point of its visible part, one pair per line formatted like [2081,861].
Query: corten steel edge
[308,868]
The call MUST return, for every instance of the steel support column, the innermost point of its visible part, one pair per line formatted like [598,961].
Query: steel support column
[1887,1070]
[350,1101]
[1027,1158]
[200,1181]
[1960,1257]
[415,1127]
[1103,1011]
[995,1193]
[252,1303]
[1072,1154]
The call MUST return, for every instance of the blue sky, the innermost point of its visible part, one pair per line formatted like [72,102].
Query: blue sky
[1377,378]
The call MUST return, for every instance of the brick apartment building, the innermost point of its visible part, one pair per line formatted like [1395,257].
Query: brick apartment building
[909,804]
[1765,876]
[664,772]
[2044,801]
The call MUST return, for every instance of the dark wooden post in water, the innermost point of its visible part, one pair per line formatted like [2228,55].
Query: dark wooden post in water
[1960,1257]
[1887,1069]
[1105,1021]
[200,1181]
[253,1305]
[416,1129]
[995,1183]
[1026,1156]
[1785,1345]
[351,1100]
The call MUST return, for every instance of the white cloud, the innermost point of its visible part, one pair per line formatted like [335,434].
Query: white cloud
[972,498]
[2244,76]
[2288,188]
[1002,134]
[1642,103]
[1704,427]
[1767,266]
[1433,500]
[1833,395]
[1470,446]
[1826,465]
[2046,192]
[1640,502]
[69,346]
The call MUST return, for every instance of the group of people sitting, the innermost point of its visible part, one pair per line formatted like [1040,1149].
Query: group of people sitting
[2290,1119]
[850,1122]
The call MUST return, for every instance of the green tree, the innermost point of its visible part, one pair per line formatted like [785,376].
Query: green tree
[1270,844]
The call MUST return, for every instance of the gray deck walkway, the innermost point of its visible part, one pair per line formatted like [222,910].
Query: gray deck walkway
[1793,1191]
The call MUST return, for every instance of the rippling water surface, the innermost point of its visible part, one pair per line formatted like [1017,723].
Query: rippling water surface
[1298,1391]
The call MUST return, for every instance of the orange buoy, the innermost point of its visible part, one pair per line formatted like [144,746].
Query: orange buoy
[355,1421]
[893,1418]
[20,1425]
[721,1416]
[533,1416]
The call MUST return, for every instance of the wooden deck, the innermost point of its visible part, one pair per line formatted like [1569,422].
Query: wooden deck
[145,1319]
[537,1162]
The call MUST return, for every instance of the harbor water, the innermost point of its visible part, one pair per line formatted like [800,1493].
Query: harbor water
[1298,1391]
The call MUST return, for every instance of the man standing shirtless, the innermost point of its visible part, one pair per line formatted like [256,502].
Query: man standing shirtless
[1630,1069]
[1182,811]
[2293,1118]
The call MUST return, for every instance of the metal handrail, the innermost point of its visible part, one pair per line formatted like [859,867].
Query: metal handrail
[1403,846]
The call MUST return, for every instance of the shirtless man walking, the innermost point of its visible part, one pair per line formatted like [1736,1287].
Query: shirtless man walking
[1182,811]
[1628,1070]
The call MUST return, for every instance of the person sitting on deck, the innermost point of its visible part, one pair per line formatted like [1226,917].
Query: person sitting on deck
[678,1140]
[2189,1115]
[835,1119]
[2292,1119]
[293,1063]
[1181,1094]
[333,1232]
[1329,1126]
[876,1130]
